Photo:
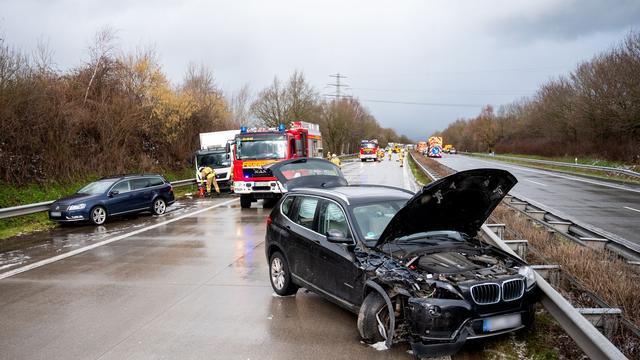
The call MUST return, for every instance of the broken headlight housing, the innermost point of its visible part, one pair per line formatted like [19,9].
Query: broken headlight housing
[529,275]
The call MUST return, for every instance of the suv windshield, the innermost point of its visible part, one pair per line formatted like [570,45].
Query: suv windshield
[371,219]
[215,160]
[96,187]
[260,147]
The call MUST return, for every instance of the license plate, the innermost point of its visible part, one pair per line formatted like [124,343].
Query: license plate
[502,322]
[56,214]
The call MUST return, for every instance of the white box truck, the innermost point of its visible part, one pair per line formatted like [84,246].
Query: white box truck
[216,152]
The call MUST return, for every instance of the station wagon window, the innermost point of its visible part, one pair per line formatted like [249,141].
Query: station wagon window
[155,181]
[306,211]
[121,187]
[333,218]
[139,184]
[287,205]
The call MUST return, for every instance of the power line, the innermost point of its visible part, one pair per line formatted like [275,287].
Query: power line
[421,103]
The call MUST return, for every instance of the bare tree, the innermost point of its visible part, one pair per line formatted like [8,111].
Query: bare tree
[271,106]
[240,106]
[103,46]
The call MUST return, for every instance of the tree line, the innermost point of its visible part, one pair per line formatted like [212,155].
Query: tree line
[119,113]
[593,111]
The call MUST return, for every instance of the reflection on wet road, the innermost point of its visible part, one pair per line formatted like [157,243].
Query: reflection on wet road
[194,288]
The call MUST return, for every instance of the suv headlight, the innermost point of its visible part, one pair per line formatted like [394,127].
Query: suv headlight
[77,207]
[529,275]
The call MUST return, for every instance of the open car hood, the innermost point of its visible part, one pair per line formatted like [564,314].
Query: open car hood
[307,172]
[459,202]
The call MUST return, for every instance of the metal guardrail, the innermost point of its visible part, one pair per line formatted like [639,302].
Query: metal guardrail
[565,164]
[44,206]
[591,341]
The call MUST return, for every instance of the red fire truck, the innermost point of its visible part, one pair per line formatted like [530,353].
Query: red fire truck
[258,147]
[369,150]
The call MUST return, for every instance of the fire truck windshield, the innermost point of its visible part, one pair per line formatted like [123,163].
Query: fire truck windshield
[368,145]
[261,147]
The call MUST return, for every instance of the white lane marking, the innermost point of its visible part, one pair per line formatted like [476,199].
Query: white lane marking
[561,176]
[535,182]
[630,208]
[50,260]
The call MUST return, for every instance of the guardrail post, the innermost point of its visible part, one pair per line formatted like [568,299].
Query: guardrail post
[520,205]
[594,243]
[605,319]
[551,273]
[519,246]
[560,226]
[498,229]
[536,214]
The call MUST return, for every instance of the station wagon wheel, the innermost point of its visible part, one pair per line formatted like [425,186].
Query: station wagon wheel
[280,276]
[98,215]
[159,206]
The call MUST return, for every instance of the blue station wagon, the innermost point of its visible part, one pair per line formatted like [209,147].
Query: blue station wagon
[113,196]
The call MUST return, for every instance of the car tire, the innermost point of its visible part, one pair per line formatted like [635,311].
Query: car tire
[269,203]
[245,201]
[159,206]
[373,308]
[280,276]
[98,215]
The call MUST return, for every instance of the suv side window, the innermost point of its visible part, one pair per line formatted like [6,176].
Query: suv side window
[137,184]
[287,205]
[332,217]
[122,187]
[306,211]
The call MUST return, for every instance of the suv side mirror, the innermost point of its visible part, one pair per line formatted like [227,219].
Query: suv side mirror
[337,237]
[112,193]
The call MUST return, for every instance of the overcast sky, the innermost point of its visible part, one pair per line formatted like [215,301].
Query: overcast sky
[455,55]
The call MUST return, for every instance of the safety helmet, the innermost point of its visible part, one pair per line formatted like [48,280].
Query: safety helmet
[334,155]
[200,168]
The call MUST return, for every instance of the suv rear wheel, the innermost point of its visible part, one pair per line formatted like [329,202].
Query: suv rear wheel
[280,276]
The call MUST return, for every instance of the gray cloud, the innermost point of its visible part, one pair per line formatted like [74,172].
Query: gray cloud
[569,20]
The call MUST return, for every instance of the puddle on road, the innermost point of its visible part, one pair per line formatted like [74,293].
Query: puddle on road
[25,249]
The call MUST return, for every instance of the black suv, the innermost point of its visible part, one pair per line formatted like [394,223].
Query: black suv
[111,196]
[410,265]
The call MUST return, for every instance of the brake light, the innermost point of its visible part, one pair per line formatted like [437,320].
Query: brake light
[268,220]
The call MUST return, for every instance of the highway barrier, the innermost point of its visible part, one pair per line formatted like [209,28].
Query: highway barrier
[44,206]
[564,164]
[591,341]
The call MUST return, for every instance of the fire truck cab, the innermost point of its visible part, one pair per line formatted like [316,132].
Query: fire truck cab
[258,147]
[369,150]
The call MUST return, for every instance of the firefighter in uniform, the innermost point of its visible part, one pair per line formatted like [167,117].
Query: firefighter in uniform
[336,160]
[390,153]
[401,156]
[209,175]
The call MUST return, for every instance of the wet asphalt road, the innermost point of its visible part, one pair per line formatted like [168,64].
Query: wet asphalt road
[194,288]
[608,206]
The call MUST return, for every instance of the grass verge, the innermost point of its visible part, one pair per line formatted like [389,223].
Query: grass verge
[11,195]
[421,178]
[600,272]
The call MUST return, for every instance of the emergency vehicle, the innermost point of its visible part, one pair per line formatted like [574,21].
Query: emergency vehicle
[435,147]
[215,152]
[258,147]
[422,147]
[369,150]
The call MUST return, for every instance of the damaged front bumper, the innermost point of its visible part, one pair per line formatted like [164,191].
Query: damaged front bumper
[440,327]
